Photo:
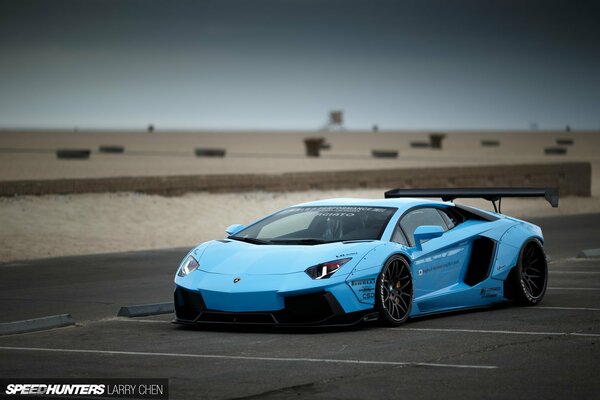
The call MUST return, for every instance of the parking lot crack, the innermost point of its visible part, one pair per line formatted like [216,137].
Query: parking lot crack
[309,389]
[488,349]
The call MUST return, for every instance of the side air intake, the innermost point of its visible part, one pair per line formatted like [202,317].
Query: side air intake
[480,263]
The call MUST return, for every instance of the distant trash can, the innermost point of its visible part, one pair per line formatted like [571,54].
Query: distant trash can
[200,152]
[73,154]
[313,146]
[565,142]
[420,145]
[555,151]
[435,139]
[490,143]
[109,148]
[384,153]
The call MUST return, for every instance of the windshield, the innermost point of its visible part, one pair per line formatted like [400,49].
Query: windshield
[316,225]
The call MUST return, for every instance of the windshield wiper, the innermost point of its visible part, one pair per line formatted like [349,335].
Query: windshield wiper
[248,240]
[281,241]
[299,241]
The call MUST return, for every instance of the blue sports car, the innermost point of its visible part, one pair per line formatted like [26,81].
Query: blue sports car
[345,261]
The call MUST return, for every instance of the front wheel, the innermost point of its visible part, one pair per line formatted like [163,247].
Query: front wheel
[527,281]
[394,292]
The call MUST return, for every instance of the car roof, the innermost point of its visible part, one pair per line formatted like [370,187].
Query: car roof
[400,203]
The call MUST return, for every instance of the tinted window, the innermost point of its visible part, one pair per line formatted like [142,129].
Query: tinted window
[398,236]
[419,217]
[449,219]
[314,225]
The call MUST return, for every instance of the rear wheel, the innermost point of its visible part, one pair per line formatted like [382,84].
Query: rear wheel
[394,292]
[527,281]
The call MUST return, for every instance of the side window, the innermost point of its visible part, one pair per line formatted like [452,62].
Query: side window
[448,219]
[419,217]
[398,236]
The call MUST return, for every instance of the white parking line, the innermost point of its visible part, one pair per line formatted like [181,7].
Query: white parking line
[249,358]
[573,288]
[562,308]
[575,272]
[502,332]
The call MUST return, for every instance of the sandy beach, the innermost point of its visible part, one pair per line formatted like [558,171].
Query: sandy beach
[30,155]
[47,226]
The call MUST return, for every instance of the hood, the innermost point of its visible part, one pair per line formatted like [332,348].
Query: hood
[233,257]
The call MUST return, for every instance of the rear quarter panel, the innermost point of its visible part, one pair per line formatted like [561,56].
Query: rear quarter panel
[509,246]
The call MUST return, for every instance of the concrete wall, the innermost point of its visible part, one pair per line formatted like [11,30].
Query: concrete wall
[573,179]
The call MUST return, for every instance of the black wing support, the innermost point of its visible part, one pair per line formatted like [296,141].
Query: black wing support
[491,194]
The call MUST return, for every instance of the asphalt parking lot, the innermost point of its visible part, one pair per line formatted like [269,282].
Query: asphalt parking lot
[548,351]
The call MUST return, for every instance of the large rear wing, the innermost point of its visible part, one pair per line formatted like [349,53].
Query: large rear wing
[491,194]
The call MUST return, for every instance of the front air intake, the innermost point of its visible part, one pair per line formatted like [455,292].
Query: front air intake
[309,308]
[188,305]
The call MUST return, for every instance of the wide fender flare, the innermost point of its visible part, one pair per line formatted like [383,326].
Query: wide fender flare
[509,248]
[363,278]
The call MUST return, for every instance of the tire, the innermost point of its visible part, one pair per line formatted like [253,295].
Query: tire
[394,292]
[528,280]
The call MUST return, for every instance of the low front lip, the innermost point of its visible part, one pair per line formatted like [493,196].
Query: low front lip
[335,321]
[330,313]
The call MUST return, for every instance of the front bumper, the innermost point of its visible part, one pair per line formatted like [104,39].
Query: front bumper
[314,309]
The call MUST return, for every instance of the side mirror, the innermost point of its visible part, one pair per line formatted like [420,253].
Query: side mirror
[426,232]
[233,229]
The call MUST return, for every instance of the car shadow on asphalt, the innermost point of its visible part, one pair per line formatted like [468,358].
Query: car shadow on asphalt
[270,329]
[311,330]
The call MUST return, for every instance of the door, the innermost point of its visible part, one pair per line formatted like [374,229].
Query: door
[439,263]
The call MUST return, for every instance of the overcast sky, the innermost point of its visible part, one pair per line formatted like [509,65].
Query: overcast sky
[254,64]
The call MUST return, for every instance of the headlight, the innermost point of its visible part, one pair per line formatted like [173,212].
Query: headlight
[325,270]
[188,266]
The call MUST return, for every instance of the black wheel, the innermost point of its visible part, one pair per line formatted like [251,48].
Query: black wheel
[527,281]
[394,292]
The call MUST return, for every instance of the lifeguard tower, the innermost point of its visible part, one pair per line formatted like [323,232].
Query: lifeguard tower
[335,122]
